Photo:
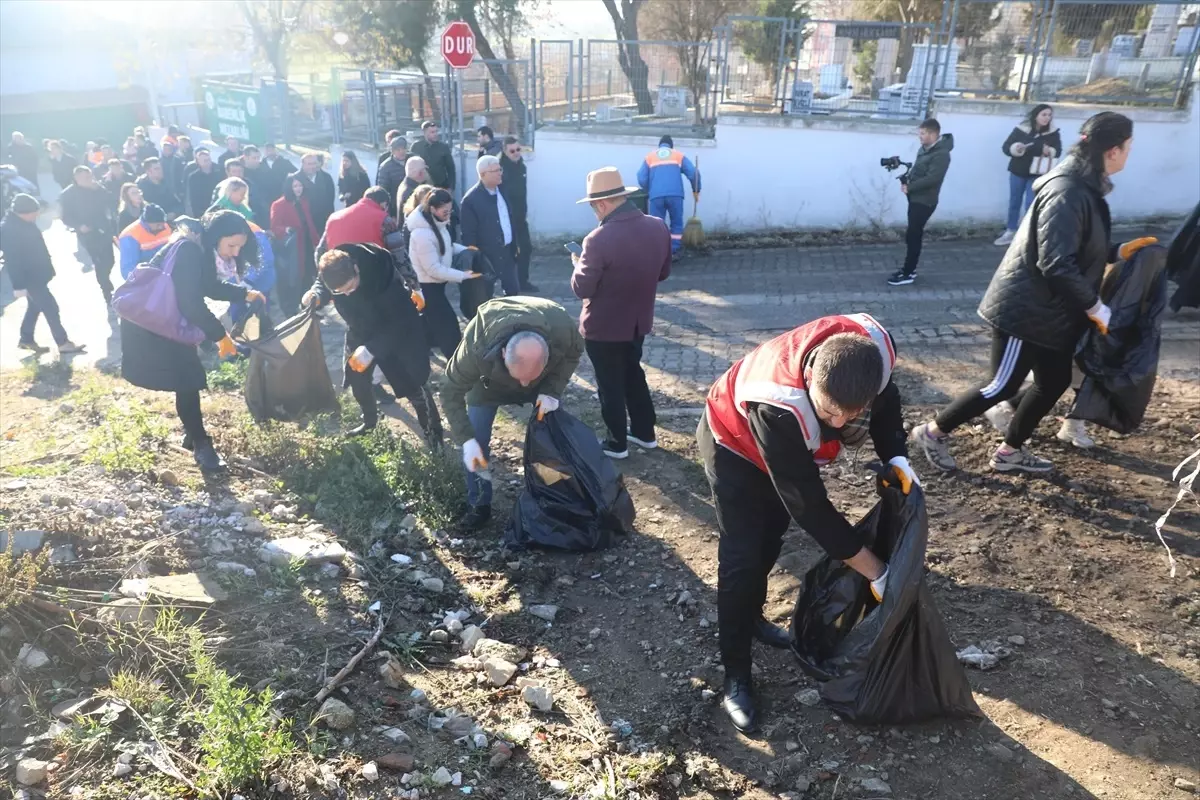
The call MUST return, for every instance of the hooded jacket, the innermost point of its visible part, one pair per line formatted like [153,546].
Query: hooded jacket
[430,265]
[929,170]
[1034,142]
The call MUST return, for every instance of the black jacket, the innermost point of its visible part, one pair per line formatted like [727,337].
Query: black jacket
[62,170]
[929,170]
[24,157]
[161,194]
[26,257]
[514,188]
[157,363]
[198,189]
[1051,273]
[1023,134]
[146,150]
[91,207]
[439,160]
[493,148]
[352,187]
[173,170]
[281,167]
[113,187]
[264,190]
[321,198]
[479,222]
[389,176]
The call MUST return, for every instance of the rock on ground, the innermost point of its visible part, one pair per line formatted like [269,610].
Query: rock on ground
[539,697]
[470,637]
[494,648]
[336,714]
[31,772]
[22,541]
[31,657]
[499,672]
[544,611]
[311,551]
[875,786]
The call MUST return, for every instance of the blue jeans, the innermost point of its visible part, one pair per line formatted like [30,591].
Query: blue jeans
[479,491]
[661,207]
[1020,198]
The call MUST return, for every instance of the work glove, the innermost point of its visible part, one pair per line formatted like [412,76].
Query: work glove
[1100,315]
[1127,250]
[361,359]
[546,404]
[473,458]
[879,585]
[19,293]
[226,348]
[255,296]
[902,472]
[418,299]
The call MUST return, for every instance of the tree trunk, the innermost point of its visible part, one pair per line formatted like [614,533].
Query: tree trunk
[629,52]
[431,93]
[508,86]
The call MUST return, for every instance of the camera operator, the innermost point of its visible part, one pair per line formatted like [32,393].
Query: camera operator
[922,186]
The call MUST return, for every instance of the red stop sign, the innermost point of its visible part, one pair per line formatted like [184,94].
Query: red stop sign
[458,45]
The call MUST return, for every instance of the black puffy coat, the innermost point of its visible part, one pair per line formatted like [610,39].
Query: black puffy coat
[26,258]
[1051,274]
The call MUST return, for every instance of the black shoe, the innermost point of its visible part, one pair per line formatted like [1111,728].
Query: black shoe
[475,518]
[206,456]
[187,443]
[530,287]
[902,278]
[382,396]
[739,704]
[614,450]
[772,635]
[34,346]
[360,430]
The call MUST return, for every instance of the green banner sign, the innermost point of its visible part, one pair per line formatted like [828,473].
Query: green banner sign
[232,111]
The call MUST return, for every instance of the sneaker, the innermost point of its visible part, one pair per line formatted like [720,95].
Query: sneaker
[613,450]
[206,456]
[34,346]
[1000,415]
[68,347]
[935,448]
[1005,239]
[1075,432]
[1019,460]
[902,278]
[648,444]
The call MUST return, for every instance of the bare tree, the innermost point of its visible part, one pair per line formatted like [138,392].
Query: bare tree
[468,12]
[271,24]
[625,22]
[689,24]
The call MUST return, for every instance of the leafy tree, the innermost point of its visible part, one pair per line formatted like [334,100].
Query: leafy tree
[272,22]
[1090,20]
[691,23]
[760,41]
[469,11]
[629,53]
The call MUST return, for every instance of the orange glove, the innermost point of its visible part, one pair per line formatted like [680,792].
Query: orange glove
[418,299]
[226,348]
[362,359]
[1127,250]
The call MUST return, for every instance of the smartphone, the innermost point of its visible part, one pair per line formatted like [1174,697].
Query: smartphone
[574,248]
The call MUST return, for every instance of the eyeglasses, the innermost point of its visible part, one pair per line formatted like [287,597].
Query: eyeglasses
[514,151]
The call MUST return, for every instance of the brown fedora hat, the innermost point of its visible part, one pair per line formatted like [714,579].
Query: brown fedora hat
[606,183]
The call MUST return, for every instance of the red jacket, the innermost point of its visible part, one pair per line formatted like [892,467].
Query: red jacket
[284,216]
[773,374]
[361,223]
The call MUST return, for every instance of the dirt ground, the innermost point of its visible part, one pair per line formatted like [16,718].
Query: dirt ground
[1099,697]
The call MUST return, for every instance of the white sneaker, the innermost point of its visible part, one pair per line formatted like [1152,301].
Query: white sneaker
[1000,415]
[1075,432]
[648,444]
[1005,239]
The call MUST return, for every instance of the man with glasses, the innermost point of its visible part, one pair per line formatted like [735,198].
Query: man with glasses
[487,223]
[515,191]
[770,423]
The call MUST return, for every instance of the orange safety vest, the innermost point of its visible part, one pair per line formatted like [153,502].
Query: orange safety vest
[773,373]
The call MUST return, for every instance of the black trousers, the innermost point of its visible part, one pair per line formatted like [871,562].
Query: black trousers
[439,320]
[524,245]
[621,383]
[1012,359]
[40,303]
[918,217]
[187,406]
[421,396]
[752,520]
[99,247]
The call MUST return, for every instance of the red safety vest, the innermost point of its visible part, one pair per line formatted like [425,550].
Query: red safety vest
[773,373]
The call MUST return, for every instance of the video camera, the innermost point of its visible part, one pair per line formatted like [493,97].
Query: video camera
[894,163]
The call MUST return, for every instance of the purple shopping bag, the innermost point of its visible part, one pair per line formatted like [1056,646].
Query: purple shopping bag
[147,299]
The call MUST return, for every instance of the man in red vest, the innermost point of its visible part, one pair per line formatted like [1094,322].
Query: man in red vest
[770,423]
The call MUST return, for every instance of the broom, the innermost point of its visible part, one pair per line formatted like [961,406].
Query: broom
[693,231]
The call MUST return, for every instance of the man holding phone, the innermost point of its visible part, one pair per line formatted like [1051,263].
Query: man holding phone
[617,272]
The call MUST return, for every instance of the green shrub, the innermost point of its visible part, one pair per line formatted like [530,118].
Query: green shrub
[229,376]
[126,440]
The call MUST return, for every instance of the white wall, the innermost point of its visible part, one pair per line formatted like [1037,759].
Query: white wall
[764,172]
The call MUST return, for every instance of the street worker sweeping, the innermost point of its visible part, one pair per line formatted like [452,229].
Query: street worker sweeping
[661,178]
[770,423]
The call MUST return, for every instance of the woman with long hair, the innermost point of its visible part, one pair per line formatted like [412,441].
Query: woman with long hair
[352,180]
[431,252]
[1032,148]
[296,236]
[154,362]
[129,209]
[1044,295]
[233,194]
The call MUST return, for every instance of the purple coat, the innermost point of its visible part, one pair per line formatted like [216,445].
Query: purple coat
[617,275]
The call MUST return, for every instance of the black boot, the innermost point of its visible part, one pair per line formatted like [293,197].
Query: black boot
[772,635]
[206,455]
[739,703]
[475,518]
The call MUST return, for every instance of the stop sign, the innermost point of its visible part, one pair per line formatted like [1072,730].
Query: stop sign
[458,45]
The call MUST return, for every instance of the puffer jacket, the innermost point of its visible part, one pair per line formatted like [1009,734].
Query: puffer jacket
[1050,276]
[430,265]
[1034,144]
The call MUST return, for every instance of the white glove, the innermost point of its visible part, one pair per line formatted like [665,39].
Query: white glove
[904,471]
[546,404]
[1100,315]
[473,458]
[879,585]
[19,293]
[361,359]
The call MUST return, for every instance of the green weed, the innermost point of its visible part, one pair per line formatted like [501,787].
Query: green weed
[126,440]
[56,372]
[19,575]
[86,736]
[229,376]
[140,691]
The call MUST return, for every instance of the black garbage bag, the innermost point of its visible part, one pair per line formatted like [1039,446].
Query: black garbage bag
[287,375]
[574,498]
[1120,367]
[477,291]
[1183,263]
[889,662]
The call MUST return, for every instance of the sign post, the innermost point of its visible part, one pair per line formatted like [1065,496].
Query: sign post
[458,50]
[233,111]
